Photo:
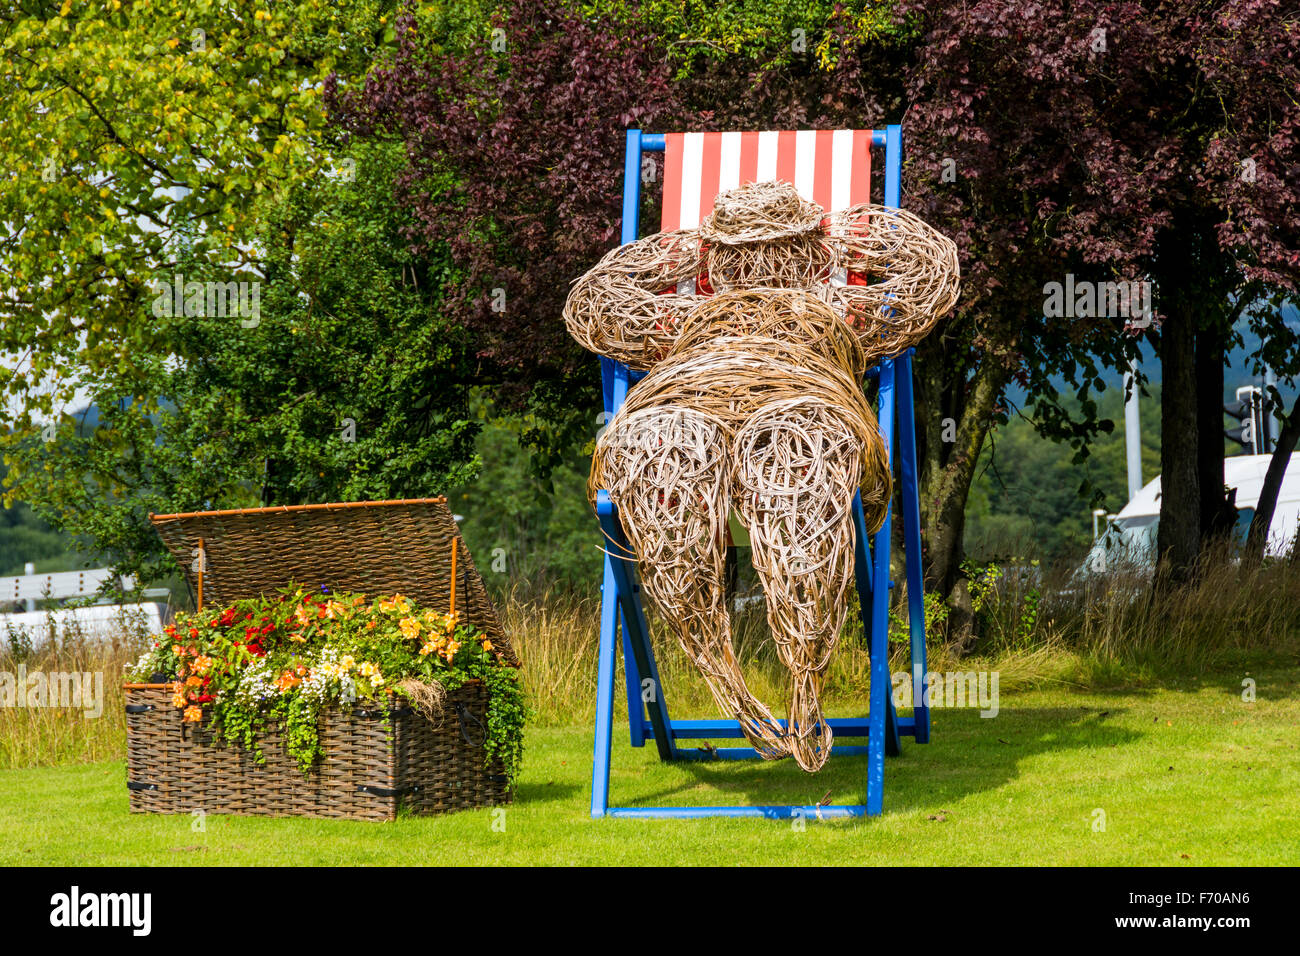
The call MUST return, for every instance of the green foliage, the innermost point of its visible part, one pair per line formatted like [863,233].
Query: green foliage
[282,660]
[935,612]
[348,385]
[772,34]
[125,126]
[25,537]
[1005,601]
[1032,496]
[527,533]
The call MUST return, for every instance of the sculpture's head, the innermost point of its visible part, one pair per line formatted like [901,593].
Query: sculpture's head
[886,273]
[765,235]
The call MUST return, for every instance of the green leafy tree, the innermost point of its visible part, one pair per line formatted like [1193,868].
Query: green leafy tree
[126,126]
[348,385]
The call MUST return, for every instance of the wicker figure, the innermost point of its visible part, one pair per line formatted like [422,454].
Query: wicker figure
[753,402]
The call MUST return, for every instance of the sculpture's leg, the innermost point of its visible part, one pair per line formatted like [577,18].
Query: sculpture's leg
[797,466]
[667,470]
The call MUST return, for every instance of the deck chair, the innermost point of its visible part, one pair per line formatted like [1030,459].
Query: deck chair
[833,168]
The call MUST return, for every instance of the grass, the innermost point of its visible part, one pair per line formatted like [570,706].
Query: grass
[1185,771]
[1119,701]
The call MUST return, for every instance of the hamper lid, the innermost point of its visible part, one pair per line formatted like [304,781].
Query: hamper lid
[372,547]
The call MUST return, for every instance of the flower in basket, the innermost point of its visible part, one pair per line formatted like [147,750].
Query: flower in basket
[282,660]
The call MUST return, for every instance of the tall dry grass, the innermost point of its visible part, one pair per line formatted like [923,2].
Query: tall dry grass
[1108,632]
[48,735]
[1127,620]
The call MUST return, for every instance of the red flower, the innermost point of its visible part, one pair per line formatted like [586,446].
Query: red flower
[194,632]
[268,629]
[202,698]
[228,617]
[257,650]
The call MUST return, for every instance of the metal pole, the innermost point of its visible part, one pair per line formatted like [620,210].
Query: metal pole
[1275,423]
[1132,431]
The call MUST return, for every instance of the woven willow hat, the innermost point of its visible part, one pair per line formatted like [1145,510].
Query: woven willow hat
[756,212]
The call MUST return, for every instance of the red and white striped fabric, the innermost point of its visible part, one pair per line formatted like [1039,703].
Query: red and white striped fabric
[830,167]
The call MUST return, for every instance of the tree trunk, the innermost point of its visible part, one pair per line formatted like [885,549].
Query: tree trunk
[1257,542]
[946,485]
[1218,512]
[1179,535]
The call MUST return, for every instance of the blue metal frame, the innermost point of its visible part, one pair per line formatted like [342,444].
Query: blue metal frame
[621,603]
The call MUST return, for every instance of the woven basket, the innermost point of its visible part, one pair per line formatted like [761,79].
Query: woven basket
[378,756]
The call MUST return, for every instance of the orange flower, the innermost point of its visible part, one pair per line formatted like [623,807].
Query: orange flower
[178,700]
[193,714]
[193,681]
[287,681]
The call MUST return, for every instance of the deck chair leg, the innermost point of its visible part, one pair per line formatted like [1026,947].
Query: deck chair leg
[910,505]
[604,693]
[881,738]
[635,707]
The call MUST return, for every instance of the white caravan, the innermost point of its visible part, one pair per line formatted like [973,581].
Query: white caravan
[1130,536]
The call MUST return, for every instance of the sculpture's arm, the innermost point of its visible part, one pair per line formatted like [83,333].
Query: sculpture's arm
[911,268]
[619,308]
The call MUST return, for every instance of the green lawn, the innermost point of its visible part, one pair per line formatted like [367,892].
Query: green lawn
[1185,773]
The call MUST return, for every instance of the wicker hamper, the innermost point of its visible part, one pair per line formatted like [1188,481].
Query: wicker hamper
[380,756]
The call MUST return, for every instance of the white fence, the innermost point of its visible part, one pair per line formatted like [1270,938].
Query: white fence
[94,622]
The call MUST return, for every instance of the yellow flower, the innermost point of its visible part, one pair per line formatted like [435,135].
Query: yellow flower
[367,669]
[427,649]
[348,662]
[487,645]
[193,714]
[178,700]
[410,628]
